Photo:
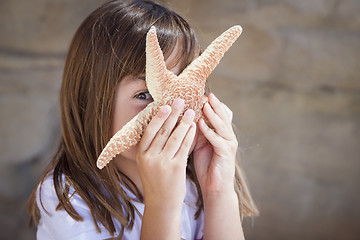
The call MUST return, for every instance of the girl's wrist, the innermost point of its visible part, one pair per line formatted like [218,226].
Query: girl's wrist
[218,189]
[163,204]
[227,194]
[162,213]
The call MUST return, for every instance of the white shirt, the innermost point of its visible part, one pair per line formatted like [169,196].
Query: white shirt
[59,225]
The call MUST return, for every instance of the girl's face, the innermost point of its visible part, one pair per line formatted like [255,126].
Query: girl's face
[131,97]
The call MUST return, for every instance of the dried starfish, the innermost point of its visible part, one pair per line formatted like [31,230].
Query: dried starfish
[164,87]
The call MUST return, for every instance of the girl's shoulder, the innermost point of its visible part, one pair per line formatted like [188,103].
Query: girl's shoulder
[48,201]
[57,223]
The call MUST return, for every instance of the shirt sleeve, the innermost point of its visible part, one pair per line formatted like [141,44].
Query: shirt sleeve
[58,224]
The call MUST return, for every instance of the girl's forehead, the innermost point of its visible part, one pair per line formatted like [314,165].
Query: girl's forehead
[175,59]
[133,80]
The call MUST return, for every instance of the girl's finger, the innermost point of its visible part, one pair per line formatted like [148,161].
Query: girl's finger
[219,108]
[184,150]
[154,126]
[208,133]
[229,113]
[222,128]
[164,132]
[177,137]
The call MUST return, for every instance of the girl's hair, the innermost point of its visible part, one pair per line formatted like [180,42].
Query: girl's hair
[109,45]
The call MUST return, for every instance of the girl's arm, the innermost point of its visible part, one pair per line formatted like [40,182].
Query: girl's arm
[161,158]
[214,160]
[221,217]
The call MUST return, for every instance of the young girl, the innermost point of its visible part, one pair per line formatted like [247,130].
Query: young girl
[182,181]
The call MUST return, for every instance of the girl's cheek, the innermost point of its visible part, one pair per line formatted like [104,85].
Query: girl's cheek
[129,154]
[140,105]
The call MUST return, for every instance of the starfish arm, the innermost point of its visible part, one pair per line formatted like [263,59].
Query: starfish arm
[129,135]
[155,65]
[200,68]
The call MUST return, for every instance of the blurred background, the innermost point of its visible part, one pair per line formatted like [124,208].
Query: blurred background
[292,80]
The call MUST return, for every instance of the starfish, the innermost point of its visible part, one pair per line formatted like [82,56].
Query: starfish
[164,87]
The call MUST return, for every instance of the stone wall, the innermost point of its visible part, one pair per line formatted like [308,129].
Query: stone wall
[292,80]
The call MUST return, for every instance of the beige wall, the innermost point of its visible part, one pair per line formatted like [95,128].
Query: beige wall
[292,80]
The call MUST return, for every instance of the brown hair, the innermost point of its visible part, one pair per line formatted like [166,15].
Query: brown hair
[109,45]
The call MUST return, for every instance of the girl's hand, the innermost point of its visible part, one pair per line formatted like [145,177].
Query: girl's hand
[162,156]
[215,150]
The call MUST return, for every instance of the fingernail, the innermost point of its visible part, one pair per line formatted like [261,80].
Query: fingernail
[178,103]
[207,105]
[165,109]
[213,96]
[189,114]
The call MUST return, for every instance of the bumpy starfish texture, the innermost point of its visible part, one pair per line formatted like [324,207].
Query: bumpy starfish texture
[164,87]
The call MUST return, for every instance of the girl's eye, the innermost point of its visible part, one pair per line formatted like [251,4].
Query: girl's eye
[143,96]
